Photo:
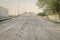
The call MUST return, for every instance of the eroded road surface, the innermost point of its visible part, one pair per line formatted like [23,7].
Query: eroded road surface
[29,27]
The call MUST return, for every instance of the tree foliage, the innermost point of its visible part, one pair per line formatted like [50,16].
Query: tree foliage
[41,3]
[53,5]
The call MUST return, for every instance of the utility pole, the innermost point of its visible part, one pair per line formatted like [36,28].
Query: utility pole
[18,9]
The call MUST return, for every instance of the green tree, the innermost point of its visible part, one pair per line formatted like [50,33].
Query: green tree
[57,7]
[53,5]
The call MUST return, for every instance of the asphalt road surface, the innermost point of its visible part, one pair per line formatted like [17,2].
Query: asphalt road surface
[29,27]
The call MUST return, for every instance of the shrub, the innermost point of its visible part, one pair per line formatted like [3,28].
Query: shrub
[41,14]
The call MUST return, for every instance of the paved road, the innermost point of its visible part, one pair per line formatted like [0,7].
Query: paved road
[29,27]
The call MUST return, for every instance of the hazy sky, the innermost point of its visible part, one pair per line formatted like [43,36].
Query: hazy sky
[24,5]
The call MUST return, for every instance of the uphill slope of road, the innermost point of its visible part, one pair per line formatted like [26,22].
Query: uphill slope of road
[29,27]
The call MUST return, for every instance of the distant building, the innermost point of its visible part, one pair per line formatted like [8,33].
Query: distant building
[12,12]
[3,12]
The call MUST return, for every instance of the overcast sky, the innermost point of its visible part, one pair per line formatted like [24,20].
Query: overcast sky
[24,5]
